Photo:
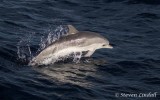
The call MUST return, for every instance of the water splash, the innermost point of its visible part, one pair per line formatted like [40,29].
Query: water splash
[23,49]
[52,36]
[25,53]
[77,56]
[60,31]
[73,57]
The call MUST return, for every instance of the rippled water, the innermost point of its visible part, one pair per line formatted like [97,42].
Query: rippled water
[132,27]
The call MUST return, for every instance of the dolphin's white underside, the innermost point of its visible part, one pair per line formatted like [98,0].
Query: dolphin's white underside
[53,57]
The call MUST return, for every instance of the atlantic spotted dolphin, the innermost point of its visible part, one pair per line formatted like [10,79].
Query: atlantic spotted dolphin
[76,41]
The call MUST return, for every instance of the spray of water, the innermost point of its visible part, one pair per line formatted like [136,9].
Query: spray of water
[25,52]
[77,56]
[52,36]
[23,49]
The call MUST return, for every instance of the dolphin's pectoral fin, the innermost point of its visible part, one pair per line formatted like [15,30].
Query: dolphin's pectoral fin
[72,29]
[89,53]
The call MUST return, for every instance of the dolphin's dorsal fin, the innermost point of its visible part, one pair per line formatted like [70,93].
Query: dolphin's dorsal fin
[72,29]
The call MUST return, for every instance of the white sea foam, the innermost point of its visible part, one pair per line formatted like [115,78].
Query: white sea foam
[62,55]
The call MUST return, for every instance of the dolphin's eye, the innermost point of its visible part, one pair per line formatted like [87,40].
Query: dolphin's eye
[103,45]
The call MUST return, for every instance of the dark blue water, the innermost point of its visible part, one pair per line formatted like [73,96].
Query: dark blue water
[133,66]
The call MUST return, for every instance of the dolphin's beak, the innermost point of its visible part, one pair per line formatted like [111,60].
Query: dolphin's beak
[109,46]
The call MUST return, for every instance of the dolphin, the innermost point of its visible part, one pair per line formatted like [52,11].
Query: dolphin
[75,41]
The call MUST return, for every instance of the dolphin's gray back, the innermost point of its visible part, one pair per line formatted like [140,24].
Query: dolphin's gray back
[80,39]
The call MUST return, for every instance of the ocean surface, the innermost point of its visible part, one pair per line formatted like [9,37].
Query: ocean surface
[131,67]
